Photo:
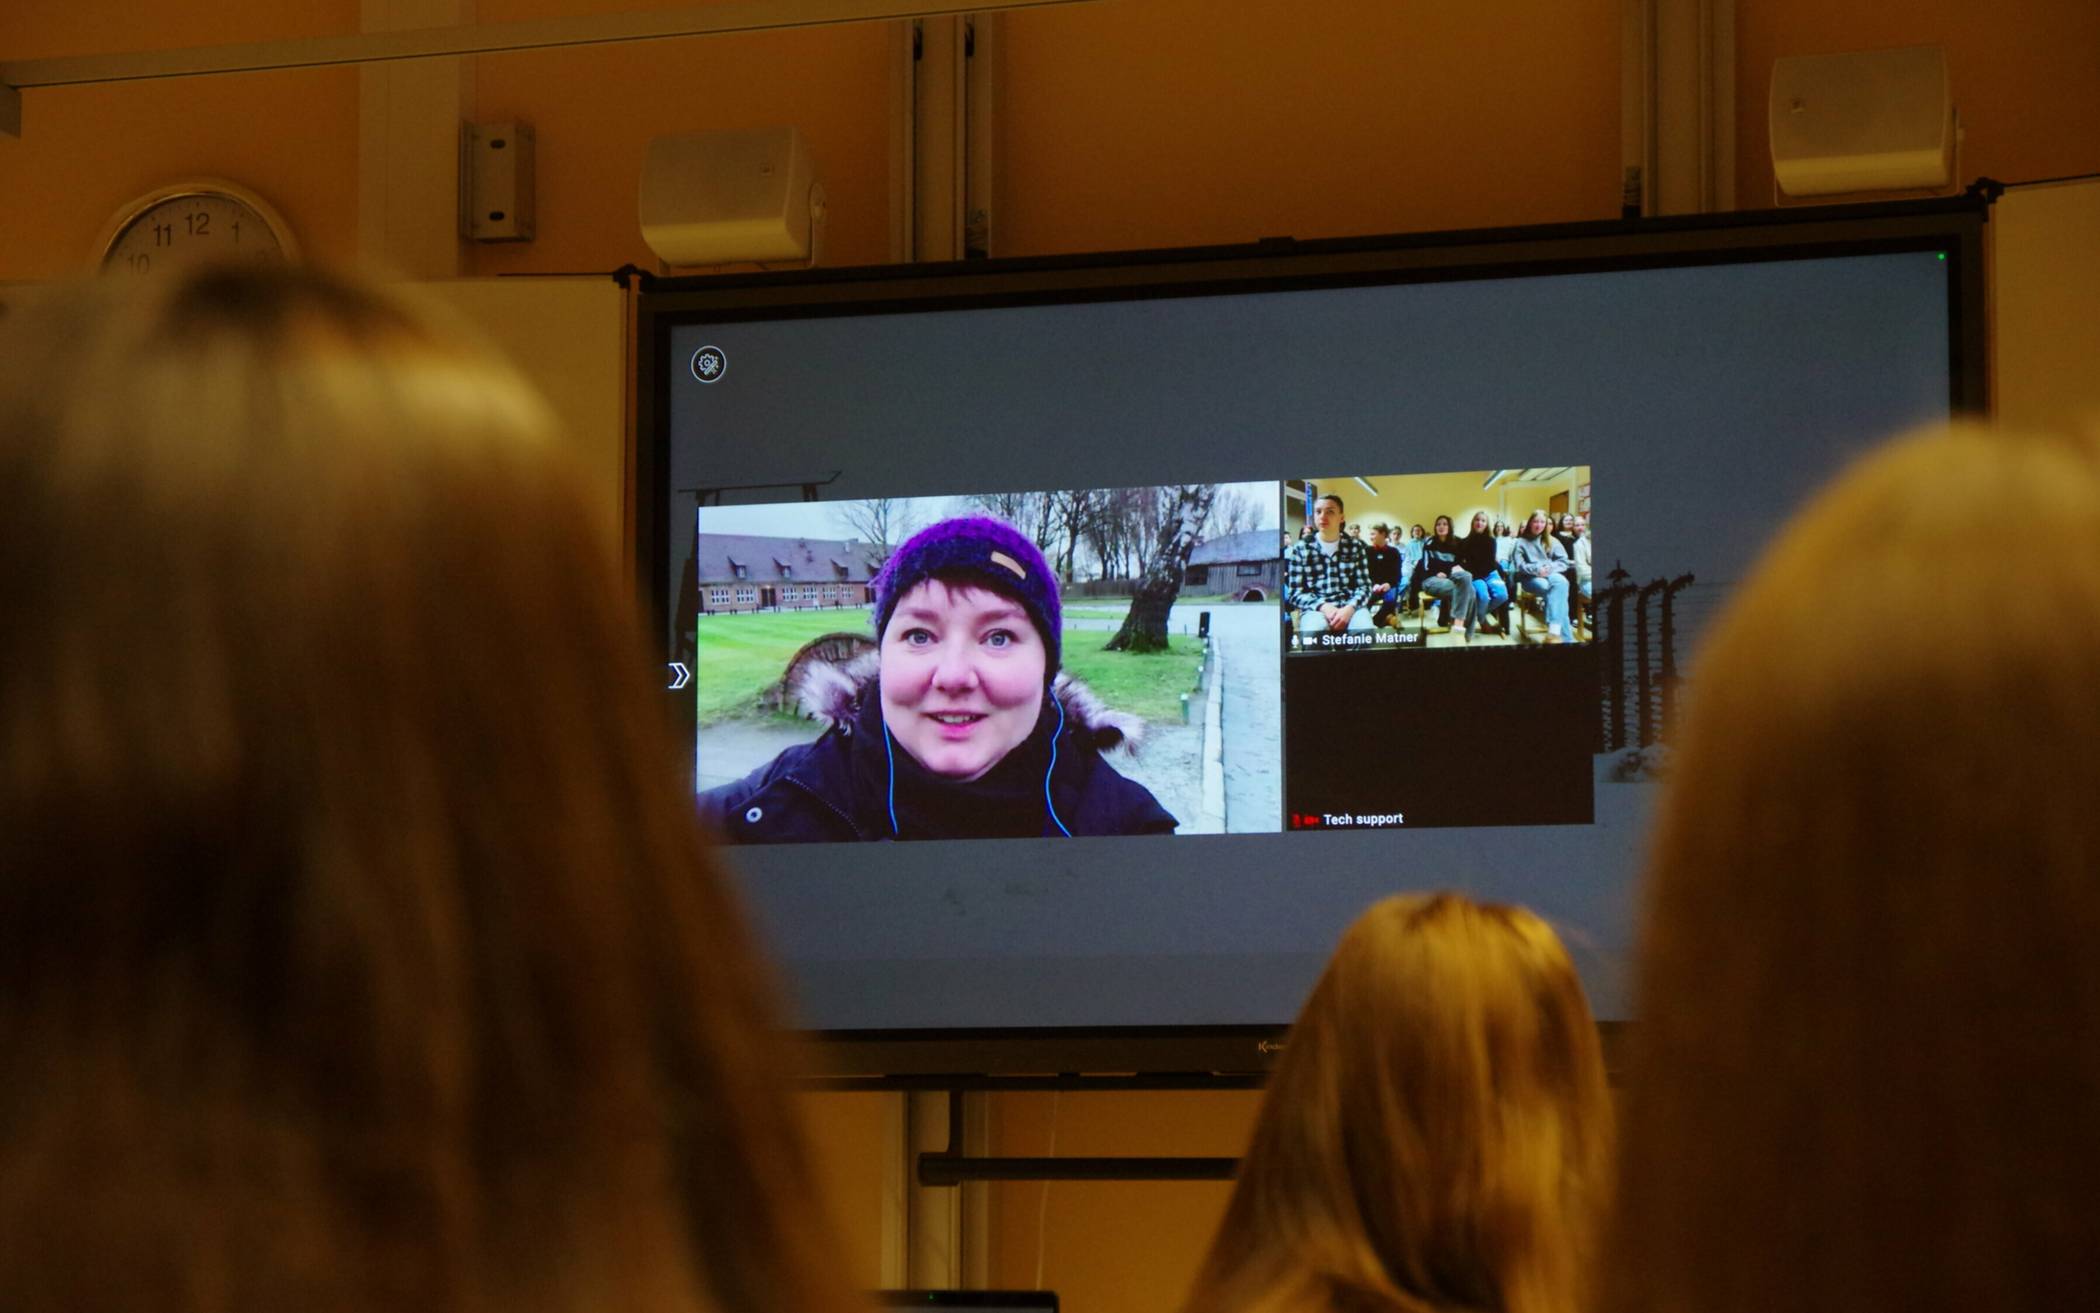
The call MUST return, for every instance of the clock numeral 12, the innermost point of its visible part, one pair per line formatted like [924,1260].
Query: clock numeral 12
[200,224]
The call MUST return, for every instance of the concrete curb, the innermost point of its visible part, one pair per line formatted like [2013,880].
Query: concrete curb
[1212,819]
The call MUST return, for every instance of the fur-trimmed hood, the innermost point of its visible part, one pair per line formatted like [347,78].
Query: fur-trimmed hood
[831,690]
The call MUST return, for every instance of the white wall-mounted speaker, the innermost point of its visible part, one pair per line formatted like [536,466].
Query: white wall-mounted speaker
[1876,120]
[730,197]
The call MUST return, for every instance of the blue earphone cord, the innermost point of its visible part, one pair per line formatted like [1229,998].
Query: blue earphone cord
[1048,805]
[889,753]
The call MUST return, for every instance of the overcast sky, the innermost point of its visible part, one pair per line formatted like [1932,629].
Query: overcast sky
[826,519]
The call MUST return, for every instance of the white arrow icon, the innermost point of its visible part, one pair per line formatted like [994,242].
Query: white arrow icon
[680,676]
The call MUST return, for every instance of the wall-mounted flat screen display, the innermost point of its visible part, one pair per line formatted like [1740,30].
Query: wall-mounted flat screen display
[1073,648]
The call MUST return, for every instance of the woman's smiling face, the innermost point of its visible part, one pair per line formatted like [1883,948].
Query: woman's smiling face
[961,677]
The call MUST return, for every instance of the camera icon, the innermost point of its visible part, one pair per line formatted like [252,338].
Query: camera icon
[709,364]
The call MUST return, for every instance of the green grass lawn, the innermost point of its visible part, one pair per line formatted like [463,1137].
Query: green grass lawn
[1148,685]
[738,657]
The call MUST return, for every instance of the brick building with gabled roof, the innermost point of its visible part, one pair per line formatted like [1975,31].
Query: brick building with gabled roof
[750,572]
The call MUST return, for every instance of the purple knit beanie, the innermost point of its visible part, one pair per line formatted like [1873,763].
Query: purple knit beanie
[979,550]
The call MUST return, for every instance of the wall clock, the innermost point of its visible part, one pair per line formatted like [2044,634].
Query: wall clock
[186,223]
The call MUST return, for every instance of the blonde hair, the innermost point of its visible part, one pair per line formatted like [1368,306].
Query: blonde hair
[1437,1134]
[356,948]
[1866,1074]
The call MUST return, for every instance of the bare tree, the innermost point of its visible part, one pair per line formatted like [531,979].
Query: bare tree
[1234,512]
[1181,525]
[1069,512]
[1043,511]
[884,521]
[1151,513]
[1136,529]
[1113,532]
[1101,535]
[1016,508]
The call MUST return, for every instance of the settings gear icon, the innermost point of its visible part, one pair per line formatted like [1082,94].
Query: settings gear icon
[709,364]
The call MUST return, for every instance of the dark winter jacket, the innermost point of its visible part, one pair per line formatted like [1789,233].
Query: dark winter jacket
[1440,557]
[847,784]
[1385,567]
[1476,554]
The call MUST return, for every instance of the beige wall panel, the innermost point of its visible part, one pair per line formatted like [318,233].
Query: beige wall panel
[1169,122]
[846,1137]
[86,151]
[2046,305]
[39,29]
[569,337]
[408,146]
[1112,1246]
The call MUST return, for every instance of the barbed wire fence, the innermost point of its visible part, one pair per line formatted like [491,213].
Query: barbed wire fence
[1644,629]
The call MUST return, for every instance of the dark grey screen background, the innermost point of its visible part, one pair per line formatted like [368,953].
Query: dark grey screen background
[1708,401]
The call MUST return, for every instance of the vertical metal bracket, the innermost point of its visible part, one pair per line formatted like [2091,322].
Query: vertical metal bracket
[496,182]
[983,54]
[904,165]
[939,149]
[943,106]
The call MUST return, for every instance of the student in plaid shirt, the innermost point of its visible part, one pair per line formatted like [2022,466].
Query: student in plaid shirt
[1327,577]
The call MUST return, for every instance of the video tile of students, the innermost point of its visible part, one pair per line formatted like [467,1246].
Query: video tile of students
[1007,665]
[1483,575]
[1476,558]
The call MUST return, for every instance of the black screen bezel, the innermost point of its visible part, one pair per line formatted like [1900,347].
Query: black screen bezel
[1953,227]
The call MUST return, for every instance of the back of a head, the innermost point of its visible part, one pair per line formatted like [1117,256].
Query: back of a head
[1866,1075]
[1437,1134]
[356,950]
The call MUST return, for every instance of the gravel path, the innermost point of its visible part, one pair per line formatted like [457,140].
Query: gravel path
[1171,765]
[1250,642]
[732,749]
[1250,639]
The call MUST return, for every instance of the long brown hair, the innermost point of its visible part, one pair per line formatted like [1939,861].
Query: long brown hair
[1437,1134]
[356,948]
[1866,1073]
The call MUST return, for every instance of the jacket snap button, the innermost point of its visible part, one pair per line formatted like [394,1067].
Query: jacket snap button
[752,816]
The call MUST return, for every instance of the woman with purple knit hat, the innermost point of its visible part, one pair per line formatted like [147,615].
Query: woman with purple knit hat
[958,725]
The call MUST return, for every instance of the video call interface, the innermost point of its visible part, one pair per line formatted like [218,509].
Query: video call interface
[1337,602]
[1401,651]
